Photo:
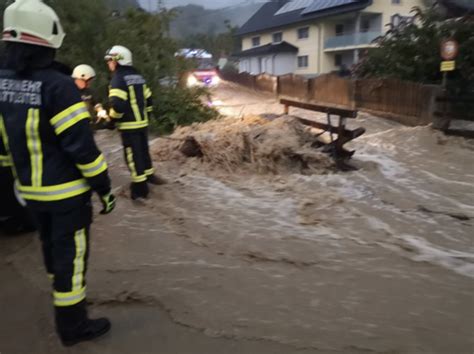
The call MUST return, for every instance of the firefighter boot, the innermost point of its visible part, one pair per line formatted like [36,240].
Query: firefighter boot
[156,180]
[139,190]
[74,327]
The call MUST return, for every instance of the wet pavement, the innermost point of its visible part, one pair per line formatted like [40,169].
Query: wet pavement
[377,260]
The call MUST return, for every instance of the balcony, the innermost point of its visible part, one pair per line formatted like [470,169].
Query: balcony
[351,40]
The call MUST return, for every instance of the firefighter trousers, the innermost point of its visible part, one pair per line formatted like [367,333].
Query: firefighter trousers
[65,244]
[137,156]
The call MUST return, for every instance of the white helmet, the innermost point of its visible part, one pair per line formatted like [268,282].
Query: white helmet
[120,54]
[84,72]
[32,22]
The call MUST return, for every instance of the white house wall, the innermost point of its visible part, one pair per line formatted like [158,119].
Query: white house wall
[319,31]
[284,64]
[274,64]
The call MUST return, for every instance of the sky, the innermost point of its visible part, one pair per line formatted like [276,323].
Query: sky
[210,4]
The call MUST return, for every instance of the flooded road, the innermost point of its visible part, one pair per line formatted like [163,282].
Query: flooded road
[376,260]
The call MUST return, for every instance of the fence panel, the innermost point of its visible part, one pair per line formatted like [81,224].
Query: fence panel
[293,86]
[243,79]
[265,82]
[393,96]
[332,90]
[409,103]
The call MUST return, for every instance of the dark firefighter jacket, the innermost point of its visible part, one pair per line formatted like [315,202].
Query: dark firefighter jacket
[130,99]
[55,158]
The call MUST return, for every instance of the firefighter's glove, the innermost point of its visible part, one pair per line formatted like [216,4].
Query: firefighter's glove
[102,115]
[108,203]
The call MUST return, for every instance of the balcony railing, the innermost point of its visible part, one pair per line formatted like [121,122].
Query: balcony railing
[350,40]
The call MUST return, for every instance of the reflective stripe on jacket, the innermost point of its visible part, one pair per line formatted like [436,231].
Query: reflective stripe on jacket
[49,138]
[130,99]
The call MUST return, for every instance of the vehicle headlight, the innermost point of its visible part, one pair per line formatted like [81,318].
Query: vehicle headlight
[192,81]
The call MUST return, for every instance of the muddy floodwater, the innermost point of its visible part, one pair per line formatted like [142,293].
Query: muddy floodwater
[377,260]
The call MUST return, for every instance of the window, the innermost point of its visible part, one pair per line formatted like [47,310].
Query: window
[396,2]
[303,32]
[303,61]
[277,37]
[339,30]
[255,41]
[365,26]
[398,20]
[338,60]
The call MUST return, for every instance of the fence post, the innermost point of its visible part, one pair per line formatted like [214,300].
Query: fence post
[277,86]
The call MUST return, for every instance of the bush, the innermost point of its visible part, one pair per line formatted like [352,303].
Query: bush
[411,52]
[91,30]
[175,106]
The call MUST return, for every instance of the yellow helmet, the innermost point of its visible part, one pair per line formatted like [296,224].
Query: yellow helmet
[32,22]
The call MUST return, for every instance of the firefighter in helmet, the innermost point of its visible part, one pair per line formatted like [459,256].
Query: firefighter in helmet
[131,106]
[83,76]
[55,158]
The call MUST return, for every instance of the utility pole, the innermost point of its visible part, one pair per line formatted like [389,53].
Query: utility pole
[160,5]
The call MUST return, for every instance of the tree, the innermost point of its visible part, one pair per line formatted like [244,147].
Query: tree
[91,29]
[225,43]
[411,51]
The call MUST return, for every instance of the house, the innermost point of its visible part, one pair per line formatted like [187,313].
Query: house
[312,37]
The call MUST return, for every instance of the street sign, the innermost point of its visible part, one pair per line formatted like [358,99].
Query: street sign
[449,49]
[448,65]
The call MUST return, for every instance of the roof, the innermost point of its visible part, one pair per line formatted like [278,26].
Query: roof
[271,48]
[277,14]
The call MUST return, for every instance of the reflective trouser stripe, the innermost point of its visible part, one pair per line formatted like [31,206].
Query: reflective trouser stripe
[94,168]
[70,298]
[131,165]
[69,117]
[132,125]
[79,264]
[54,193]
[134,104]
[33,142]
[149,172]
[149,109]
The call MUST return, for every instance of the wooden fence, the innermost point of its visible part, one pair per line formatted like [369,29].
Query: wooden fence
[411,102]
[406,102]
[332,90]
[266,83]
[293,86]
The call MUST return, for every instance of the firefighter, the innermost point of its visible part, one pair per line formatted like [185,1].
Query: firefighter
[55,158]
[83,76]
[131,106]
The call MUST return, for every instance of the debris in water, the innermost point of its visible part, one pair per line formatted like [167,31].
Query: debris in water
[281,145]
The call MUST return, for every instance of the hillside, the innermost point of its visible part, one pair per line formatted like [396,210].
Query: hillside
[194,19]
[121,5]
